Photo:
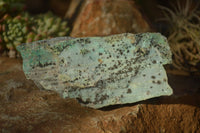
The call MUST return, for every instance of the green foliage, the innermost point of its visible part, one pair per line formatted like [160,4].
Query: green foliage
[16,29]
[48,26]
[13,30]
[25,28]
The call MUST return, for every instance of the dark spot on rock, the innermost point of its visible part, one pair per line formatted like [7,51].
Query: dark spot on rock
[130,69]
[84,102]
[158,73]
[158,82]
[129,81]
[128,51]
[88,100]
[100,84]
[101,99]
[148,92]
[162,89]
[87,41]
[154,61]
[129,91]
[164,80]
[119,62]
[113,45]
[153,82]
[62,61]
[100,54]
[117,56]
[153,77]
[151,86]
[144,75]
[136,70]
[120,51]
[115,66]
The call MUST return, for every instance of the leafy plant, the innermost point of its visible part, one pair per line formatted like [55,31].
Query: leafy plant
[25,28]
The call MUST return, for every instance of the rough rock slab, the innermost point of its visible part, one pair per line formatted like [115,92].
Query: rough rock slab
[100,71]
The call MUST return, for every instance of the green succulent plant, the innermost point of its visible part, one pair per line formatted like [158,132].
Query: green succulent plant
[14,30]
[47,26]
[184,35]
[25,28]
[8,8]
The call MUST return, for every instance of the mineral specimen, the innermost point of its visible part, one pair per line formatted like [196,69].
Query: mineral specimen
[100,71]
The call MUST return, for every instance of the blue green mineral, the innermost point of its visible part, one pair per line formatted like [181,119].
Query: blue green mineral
[100,71]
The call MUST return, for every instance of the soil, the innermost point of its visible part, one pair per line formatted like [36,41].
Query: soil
[24,108]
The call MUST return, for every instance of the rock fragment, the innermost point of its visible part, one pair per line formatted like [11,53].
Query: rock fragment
[100,71]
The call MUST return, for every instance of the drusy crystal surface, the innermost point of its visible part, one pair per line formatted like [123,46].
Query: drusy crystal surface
[100,71]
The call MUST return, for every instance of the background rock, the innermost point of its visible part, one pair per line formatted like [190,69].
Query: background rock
[105,17]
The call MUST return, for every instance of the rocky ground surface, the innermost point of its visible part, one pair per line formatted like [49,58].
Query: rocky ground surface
[24,108]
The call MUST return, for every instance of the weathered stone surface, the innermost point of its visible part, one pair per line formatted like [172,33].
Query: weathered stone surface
[107,17]
[100,71]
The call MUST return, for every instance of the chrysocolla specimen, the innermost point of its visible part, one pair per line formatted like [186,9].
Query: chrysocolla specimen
[100,71]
